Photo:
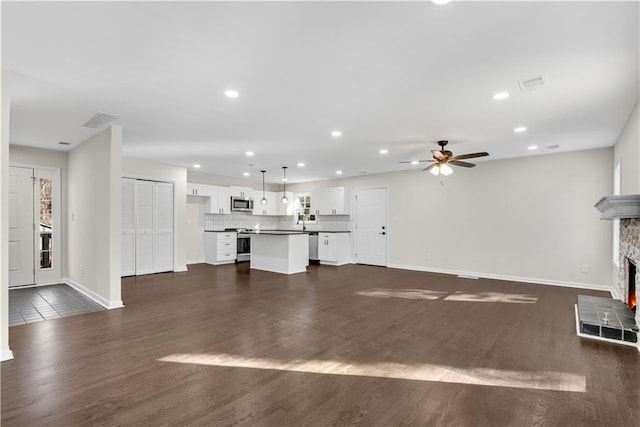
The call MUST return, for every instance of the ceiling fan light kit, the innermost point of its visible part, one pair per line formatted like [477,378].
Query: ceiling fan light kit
[442,159]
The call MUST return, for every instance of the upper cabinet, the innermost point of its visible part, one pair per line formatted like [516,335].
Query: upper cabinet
[271,208]
[203,190]
[240,191]
[330,201]
[221,200]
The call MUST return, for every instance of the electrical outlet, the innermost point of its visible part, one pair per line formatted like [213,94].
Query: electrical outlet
[584,268]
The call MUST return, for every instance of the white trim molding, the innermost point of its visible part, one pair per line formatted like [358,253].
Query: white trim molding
[181,269]
[6,355]
[109,305]
[533,280]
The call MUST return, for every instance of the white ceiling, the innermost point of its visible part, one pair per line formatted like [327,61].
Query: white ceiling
[388,75]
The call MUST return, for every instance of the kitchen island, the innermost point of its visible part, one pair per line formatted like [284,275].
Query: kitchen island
[285,252]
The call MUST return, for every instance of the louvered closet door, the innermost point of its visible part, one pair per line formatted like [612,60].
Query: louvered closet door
[128,249]
[145,227]
[164,227]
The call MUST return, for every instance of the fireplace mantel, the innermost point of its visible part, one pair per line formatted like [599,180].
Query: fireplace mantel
[620,207]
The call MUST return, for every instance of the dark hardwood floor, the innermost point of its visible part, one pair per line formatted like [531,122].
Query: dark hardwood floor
[335,346]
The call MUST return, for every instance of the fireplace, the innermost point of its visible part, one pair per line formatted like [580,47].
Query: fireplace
[632,276]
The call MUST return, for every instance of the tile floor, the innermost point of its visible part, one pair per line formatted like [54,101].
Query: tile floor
[47,302]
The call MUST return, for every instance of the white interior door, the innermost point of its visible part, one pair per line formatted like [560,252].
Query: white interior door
[128,254]
[21,227]
[163,227]
[371,226]
[144,226]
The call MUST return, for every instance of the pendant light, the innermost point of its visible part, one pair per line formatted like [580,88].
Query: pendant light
[284,199]
[264,200]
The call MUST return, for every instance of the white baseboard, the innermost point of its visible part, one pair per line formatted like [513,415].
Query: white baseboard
[6,355]
[109,305]
[180,269]
[196,261]
[532,280]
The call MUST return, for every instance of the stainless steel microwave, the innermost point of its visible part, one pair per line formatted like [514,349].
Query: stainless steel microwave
[242,204]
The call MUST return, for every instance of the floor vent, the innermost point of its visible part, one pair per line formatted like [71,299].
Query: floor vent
[99,120]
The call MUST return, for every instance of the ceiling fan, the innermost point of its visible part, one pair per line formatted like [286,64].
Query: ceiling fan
[443,158]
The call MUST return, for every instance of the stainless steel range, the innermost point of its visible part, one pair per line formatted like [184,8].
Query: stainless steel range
[243,244]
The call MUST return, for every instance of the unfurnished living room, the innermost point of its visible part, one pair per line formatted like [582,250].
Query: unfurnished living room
[320,213]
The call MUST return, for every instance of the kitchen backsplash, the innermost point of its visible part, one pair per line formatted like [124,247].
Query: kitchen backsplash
[267,222]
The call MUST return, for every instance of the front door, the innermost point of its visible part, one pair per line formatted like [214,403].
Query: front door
[371,226]
[21,227]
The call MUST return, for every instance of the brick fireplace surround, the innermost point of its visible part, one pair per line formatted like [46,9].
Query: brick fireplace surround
[629,248]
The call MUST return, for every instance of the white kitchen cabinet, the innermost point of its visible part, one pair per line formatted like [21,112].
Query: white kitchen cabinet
[236,191]
[271,208]
[220,200]
[220,247]
[333,248]
[289,208]
[194,189]
[330,201]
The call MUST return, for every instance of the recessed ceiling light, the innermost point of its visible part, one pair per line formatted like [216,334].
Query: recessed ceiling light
[501,95]
[197,166]
[439,2]
[249,153]
[300,164]
[230,93]
[384,151]
[532,147]
[245,173]
[415,162]
[520,129]
[336,133]
[338,172]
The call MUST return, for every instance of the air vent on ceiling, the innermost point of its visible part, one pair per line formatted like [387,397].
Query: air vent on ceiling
[532,84]
[552,147]
[64,143]
[99,120]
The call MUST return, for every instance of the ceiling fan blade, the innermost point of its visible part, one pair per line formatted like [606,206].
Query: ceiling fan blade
[429,167]
[419,161]
[469,156]
[459,163]
[438,155]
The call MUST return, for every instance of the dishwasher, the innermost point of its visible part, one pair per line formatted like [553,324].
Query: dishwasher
[313,246]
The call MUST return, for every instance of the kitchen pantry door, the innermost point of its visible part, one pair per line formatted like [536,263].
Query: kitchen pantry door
[147,227]
[371,226]
[34,226]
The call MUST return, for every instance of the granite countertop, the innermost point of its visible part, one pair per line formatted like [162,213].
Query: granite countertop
[278,231]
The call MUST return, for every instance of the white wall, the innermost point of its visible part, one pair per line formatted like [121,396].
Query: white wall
[94,200]
[37,157]
[5,104]
[627,153]
[529,219]
[134,168]
[196,208]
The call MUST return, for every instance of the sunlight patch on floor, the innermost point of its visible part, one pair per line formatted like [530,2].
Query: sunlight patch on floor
[546,380]
[403,293]
[427,294]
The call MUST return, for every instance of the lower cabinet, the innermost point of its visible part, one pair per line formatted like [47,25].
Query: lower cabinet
[220,247]
[333,248]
